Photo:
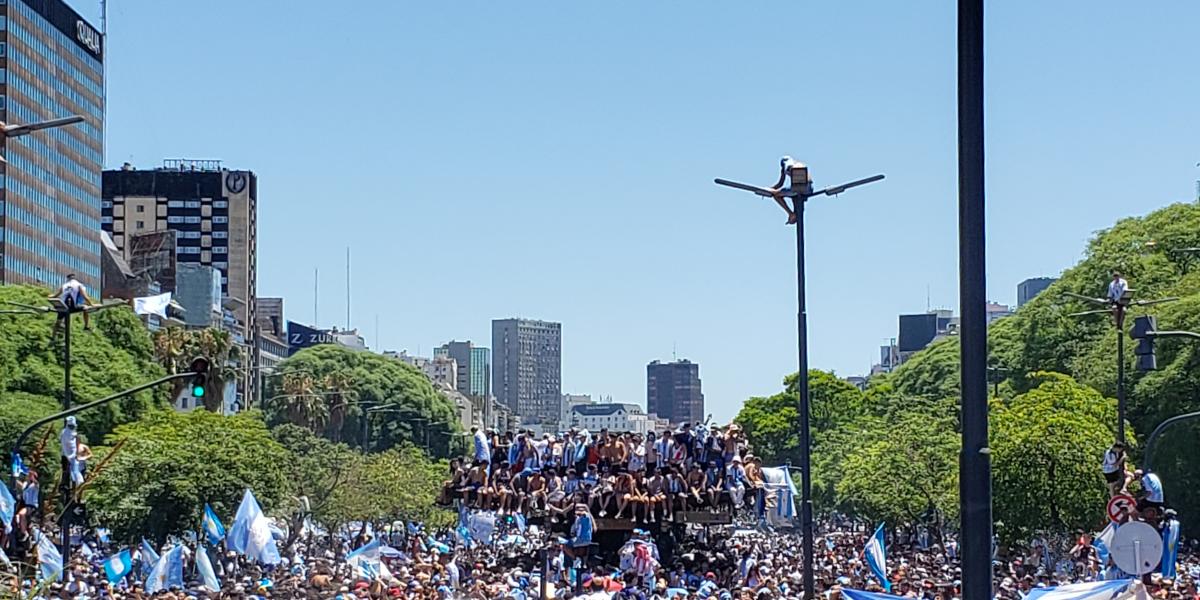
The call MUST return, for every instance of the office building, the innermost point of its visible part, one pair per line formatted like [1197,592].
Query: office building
[198,290]
[441,369]
[211,209]
[995,310]
[1028,289]
[673,391]
[52,68]
[567,409]
[615,417]
[474,367]
[527,368]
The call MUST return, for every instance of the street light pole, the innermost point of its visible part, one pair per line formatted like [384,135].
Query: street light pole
[974,465]
[800,190]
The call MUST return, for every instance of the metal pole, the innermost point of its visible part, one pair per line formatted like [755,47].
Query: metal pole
[1120,373]
[545,570]
[67,491]
[975,488]
[802,185]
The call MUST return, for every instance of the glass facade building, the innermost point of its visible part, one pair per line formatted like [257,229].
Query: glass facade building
[51,66]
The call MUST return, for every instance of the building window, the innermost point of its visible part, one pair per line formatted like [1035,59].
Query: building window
[174,220]
[221,204]
[141,208]
[141,225]
[175,204]
[106,220]
[192,204]
[106,204]
[220,250]
[220,219]
[191,219]
[220,235]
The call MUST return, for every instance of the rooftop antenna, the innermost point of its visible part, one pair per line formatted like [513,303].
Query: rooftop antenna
[347,287]
[674,356]
[927,297]
[316,279]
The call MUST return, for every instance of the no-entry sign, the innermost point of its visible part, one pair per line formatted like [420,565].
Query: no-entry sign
[1120,506]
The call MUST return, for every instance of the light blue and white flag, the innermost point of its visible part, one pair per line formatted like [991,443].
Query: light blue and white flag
[118,566]
[876,554]
[366,563]
[206,570]
[152,305]
[1170,548]
[102,535]
[167,572]
[8,508]
[1101,541]
[18,466]
[212,526]
[250,533]
[50,561]
[149,558]
[521,524]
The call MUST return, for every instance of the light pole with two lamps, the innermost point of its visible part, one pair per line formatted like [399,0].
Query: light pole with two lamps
[800,190]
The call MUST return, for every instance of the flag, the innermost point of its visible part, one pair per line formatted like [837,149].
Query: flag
[212,526]
[149,558]
[1170,548]
[49,559]
[152,305]
[1101,541]
[520,519]
[876,554]
[8,508]
[206,570]
[250,533]
[167,572]
[102,535]
[18,466]
[118,566]
[366,563]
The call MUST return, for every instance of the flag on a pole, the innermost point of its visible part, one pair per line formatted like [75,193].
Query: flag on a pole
[212,526]
[152,305]
[8,508]
[206,570]
[167,572]
[118,566]
[876,554]
[1101,542]
[250,533]
[18,466]
[50,561]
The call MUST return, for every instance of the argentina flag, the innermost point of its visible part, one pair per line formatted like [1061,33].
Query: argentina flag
[204,566]
[50,561]
[1170,548]
[118,566]
[149,557]
[876,554]
[212,526]
[167,572]
[1101,542]
[18,466]
[7,508]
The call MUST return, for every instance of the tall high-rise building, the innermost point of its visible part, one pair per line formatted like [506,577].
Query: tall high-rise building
[1026,290]
[212,210]
[52,68]
[673,391]
[527,368]
[474,367]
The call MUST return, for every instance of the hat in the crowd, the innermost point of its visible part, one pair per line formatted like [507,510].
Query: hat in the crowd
[710,575]
[737,459]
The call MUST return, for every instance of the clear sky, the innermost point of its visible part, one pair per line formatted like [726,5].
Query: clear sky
[554,160]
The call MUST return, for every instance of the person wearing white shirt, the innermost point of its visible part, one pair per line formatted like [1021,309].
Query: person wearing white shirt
[1152,491]
[1114,468]
[74,295]
[1117,288]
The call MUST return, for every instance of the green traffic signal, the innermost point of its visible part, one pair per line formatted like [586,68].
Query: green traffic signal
[197,390]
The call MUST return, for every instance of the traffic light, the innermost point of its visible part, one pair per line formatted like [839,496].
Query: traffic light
[200,377]
[1143,331]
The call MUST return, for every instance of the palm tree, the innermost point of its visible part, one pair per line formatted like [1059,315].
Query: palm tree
[338,390]
[176,347]
[300,402]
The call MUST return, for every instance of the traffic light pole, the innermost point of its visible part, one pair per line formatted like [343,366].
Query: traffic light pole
[68,502]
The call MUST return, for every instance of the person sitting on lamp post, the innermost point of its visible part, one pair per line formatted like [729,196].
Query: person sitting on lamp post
[1116,295]
[74,295]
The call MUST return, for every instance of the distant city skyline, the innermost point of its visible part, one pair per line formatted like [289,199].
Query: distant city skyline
[556,160]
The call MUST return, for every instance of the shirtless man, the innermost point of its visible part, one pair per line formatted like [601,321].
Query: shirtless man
[537,490]
[626,493]
[451,486]
[502,487]
[476,491]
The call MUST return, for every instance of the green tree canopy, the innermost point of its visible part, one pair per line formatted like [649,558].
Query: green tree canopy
[171,464]
[400,402]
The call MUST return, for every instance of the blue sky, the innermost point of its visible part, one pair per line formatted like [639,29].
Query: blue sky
[554,160]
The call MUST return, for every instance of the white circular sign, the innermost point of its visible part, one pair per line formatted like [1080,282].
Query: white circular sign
[1136,548]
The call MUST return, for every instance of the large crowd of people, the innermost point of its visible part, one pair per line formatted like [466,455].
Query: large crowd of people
[528,508]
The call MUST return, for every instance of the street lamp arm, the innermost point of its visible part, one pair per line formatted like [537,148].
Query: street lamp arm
[1158,430]
[761,191]
[1186,334]
[19,130]
[837,189]
[82,407]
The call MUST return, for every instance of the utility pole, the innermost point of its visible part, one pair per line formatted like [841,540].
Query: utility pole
[800,190]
